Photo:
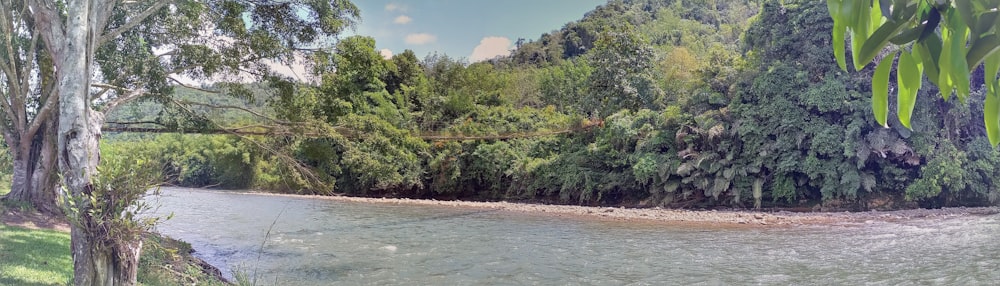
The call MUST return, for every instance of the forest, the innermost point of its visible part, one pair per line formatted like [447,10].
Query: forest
[641,103]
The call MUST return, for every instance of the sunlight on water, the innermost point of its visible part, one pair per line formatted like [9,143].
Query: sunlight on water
[319,242]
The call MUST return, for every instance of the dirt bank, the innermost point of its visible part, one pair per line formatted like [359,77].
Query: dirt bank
[728,217]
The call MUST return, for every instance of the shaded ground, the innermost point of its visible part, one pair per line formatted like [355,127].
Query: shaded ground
[708,217]
[32,220]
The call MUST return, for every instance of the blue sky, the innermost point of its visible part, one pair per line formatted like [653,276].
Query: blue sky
[470,29]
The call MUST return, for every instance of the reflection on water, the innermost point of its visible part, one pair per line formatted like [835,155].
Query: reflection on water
[320,242]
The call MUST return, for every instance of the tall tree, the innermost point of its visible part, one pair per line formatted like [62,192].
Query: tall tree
[27,83]
[622,77]
[73,61]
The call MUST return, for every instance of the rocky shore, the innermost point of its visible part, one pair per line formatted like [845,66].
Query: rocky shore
[705,217]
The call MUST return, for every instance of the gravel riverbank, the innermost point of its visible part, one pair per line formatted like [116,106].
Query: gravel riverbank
[710,217]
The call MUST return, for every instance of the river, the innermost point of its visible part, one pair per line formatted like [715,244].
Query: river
[323,242]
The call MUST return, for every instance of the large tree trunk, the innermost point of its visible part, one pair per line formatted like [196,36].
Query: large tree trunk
[98,257]
[34,179]
[97,263]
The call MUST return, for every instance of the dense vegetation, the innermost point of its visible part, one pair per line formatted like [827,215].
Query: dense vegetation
[697,104]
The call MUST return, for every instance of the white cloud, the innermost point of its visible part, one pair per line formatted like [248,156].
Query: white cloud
[393,7]
[403,20]
[491,47]
[386,53]
[420,39]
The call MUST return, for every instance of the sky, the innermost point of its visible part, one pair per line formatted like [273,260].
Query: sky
[471,29]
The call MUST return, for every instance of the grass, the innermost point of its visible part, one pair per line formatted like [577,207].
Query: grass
[34,257]
[42,257]
[4,184]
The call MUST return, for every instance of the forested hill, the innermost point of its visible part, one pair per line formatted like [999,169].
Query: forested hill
[699,103]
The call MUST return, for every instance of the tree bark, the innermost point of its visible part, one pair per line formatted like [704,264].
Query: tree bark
[34,168]
[98,258]
[97,262]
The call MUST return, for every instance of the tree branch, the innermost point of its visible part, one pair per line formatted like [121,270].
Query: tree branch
[178,82]
[282,122]
[135,21]
[43,114]
[32,53]
[12,85]
[48,23]
[129,95]
[180,69]
[133,122]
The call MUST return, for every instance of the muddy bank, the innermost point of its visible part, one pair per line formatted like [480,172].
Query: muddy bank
[729,217]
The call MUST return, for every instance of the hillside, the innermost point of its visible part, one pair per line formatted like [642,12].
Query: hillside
[700,103]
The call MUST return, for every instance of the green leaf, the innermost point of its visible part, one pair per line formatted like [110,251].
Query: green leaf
[859,19]
[965,12]
[959,67]
[908,74]
[857,45]
[838,44]
[981,49]
[992,67]
[900,8]
[986,21]
[991,113]
[930,67]
[991,107]
[876,16]
[944,65]
[880,90]
[907,35]
[930,49]
[878,40]
[833,6]
[884,5]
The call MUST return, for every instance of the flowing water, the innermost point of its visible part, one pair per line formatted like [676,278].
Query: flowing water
[322,242]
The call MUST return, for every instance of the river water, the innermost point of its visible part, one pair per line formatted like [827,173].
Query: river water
[322,242]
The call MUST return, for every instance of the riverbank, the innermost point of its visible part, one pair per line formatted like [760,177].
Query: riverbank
[34,250]
[677,216]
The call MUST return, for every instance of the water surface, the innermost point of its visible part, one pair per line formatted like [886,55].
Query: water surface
[300,241]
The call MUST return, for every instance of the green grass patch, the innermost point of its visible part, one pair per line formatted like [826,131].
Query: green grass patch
[42,257]
[34,257]
[5,183]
